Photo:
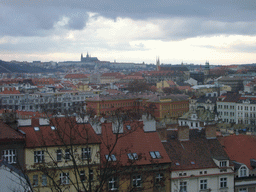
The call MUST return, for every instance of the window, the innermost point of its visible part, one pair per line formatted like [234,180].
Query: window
[203,184]
[82,176]
[44,180]
[183,186]
[59,154]
[64,178]
[223,182]
[243,172]
[223,163]
[86,153]
[67,154]
[9,155]
[136,181]
[132,156]
[90,174]
[111,157]
[242,190]
[35,180]
[155,154]
[38,156]
[112,184]
[159,179]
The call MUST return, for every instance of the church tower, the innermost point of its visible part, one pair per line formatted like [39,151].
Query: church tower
[157,64]
[207,68]
[82,56]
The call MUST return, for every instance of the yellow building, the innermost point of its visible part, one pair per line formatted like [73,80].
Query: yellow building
[61,155]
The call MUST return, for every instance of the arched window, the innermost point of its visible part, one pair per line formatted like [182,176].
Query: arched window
[243,172]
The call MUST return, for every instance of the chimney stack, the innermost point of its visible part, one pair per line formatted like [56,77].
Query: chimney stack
[183,133]
[210,131]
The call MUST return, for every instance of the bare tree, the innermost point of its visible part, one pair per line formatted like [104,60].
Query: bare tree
[68,155]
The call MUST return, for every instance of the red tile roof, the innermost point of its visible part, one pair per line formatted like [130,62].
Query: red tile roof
[9,134]
[10,91]
[67,132]
[136,141]
[195,153]
[240,148]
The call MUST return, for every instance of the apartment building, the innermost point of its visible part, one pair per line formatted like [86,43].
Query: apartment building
[58,101]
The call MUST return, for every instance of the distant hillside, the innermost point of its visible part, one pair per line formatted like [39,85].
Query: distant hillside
[9,67]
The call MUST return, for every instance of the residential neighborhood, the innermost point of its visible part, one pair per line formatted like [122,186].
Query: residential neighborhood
[100,126]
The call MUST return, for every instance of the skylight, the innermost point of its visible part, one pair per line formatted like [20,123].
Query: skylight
[36,128]
[110,157]
[53,127]
[177,163]
[155,154]
[133,156]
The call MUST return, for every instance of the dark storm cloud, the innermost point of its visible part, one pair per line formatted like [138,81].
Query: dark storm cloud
[37,18]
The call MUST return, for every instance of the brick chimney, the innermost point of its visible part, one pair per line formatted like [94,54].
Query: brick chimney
[183,133]
[210,131]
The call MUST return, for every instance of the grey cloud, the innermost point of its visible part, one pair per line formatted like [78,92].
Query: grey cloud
[200,17]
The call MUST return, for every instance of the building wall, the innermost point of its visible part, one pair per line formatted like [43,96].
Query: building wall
[193,177]
[65,166]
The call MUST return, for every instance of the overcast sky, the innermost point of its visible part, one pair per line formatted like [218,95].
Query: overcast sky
[189,31]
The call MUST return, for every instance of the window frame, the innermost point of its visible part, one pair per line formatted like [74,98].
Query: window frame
[44,180]
[10,155]
[67,155]
[243,171]
[137,181]
[35,181]
[64,178]
[39,156]
[86,153]
[203,184]
[59,155]
[183,186]
[223,182]
[82,176]
[113,184]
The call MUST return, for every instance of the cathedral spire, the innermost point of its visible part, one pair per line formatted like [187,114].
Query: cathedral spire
[157,64]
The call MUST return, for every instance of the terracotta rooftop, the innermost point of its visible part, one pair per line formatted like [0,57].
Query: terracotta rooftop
[9,134]
[195,153]
[66,131]
[137,141]
[240,148]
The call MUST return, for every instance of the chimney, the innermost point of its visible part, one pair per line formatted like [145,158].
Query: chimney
[210,131]
[183,133]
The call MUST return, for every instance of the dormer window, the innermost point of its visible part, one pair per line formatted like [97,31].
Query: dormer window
[133,156]
[223,163]
[243,171]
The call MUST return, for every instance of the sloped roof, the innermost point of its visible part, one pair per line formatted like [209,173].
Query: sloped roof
[240,148]
[137,141]
[196,153]
[67,132]
[9,134]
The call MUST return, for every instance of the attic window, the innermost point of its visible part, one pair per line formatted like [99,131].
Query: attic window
[133,156]
[223,163]
[110,157]
[177,164]
[36,128]
[192,162]
[155,154]
[53,127]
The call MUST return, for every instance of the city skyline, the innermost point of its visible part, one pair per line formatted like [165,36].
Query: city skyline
[221,32]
